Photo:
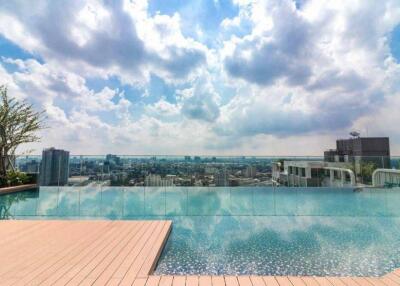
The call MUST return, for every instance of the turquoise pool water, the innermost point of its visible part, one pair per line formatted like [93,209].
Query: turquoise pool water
[282,231]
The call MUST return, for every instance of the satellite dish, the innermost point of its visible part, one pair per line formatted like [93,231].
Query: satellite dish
[355,134]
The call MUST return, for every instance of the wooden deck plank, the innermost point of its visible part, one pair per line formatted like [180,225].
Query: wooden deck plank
[108,273]
[80,261]
[244,281]
[140,259]
[388,281]
[309,281]
[179,281]
[50,264]
[257,280]
[296,281]
[155,252]
[192,280]
[348,281]
[130,258]
[362,281]
[218,280]
[13,230]
[17,256]
[231,281]
[166,280]
[375,281]
[205,280]
[393,277]
[396,272]
[117,254]
[100,255]
[15,253]
[283,281]
[78,255]
[322,281]
[16,244]
[139,282]
[336,281]
[153,280]
[67,240]
[79,252]
[270,281]
[65,236]
[113,282]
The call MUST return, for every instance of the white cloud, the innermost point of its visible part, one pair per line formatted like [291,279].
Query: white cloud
[284,79]
[103,39]
[309,71]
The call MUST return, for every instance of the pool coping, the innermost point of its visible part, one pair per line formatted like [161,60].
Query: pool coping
[19,188]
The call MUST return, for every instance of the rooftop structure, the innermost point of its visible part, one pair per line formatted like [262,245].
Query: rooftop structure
[367,149]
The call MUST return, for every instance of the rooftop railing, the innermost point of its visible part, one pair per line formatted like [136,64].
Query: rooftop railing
[208,171]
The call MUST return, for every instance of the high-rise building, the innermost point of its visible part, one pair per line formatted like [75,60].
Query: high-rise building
[54,169]
[221,178]
[374,150]
[250,172]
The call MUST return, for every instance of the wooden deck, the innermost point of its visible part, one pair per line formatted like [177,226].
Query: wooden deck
[117,253]
[79,252]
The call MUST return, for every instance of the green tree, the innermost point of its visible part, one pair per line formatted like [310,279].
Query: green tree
[367,168]
[19,124]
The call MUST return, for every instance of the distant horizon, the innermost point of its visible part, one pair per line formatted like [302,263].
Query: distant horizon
[193,155]
[204,77]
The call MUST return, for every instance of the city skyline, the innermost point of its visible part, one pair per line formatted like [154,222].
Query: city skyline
[217,77]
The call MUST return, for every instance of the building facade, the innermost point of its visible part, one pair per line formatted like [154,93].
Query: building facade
[221,178]
[54,168]
[374,150]
[153,180]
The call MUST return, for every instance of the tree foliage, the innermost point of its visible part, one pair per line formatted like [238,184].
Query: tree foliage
[19,124]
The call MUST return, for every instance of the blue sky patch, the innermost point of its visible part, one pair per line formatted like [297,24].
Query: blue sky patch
[395,43]
[10,50]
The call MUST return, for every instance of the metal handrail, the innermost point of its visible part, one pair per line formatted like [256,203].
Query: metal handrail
[384,171]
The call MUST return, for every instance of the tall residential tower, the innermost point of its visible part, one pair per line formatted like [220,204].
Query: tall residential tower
[54,169]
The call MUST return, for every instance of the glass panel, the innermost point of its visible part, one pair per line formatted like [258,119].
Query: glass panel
[393,201]
[286,201]
[242,201]
[90,201]
[134,201]
[312,201]
[176,200]
[48,201]
[154,200]
[264,201]
[204,201]
[23,203]
[68,201]
[112,202]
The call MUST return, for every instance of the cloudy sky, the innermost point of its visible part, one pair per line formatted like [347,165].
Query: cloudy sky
[237,77]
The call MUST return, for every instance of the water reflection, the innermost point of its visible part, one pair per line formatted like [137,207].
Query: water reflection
[271,245]
[280,231]
[136,202]
[9,202]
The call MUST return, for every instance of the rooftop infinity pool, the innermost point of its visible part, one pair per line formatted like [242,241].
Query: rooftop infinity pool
[266,231]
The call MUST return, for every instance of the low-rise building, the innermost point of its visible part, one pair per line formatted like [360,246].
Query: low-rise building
[312,174]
